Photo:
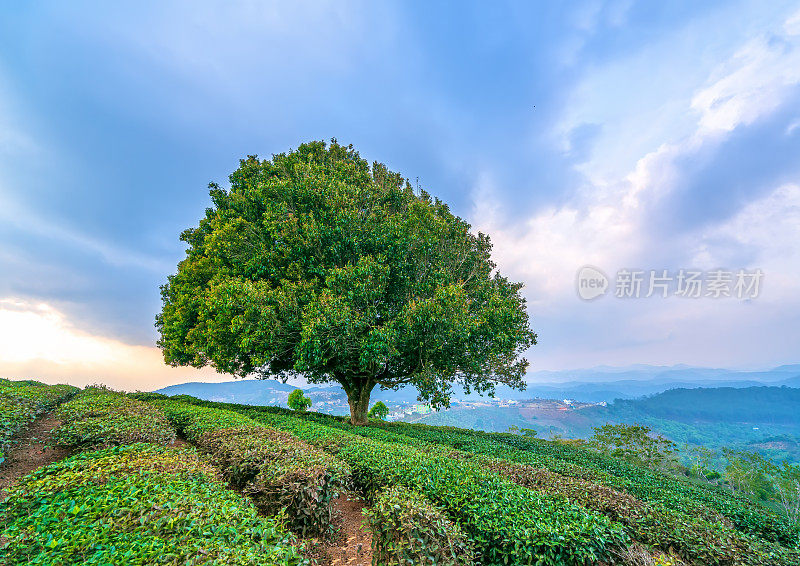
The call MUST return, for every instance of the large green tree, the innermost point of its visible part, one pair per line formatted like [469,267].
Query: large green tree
[313,263]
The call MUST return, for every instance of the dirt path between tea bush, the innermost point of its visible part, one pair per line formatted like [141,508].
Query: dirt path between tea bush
[29,450]
[351,545]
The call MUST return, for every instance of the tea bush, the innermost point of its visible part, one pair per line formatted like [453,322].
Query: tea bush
[701,523]
[694,531]
[692,499]
[22,401]
[684,517]
[274,468]
[193,421]
[138,504]
[508,524]
[695,539]
[100,417]
[408,529]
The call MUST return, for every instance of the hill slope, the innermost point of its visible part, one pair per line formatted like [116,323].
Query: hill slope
[599,507]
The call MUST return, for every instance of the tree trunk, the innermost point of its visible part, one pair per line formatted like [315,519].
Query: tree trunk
[358,399]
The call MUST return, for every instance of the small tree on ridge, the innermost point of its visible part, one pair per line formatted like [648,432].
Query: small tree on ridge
[378,411]
[297,401]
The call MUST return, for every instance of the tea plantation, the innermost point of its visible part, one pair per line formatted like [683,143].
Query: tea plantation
[177,480]
[22,401]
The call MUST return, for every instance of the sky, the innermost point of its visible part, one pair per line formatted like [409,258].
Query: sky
[632,137]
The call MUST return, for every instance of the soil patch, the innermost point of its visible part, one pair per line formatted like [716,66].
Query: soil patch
[351,544]
[180,442]
[29,450]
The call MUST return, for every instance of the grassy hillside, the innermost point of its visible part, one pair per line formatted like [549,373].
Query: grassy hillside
[466,473]
[257,485]
[768,405]
[763,418]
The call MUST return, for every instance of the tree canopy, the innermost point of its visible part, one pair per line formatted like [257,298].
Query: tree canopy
[378,411]
[297,401]
[634,443]
[315,263]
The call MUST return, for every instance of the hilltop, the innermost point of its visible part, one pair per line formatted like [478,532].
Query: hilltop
[194,475]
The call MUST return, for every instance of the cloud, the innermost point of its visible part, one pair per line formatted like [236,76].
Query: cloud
[768,229]
[26,222]
[615,220]
[752,83]
[38,342]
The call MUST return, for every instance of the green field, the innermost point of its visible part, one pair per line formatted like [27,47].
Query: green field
[256,484]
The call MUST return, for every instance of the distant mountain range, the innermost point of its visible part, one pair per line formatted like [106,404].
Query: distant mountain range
[699,406]
[589,385]
[764,418]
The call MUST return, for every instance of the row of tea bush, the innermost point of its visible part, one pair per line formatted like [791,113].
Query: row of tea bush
[676,520]
[22,401]
[278,471]
[98,417]
[506,523]
[139,504]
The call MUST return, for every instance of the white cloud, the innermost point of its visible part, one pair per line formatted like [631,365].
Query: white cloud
[754,82]
[548,248]
[39,342]
[770,226]
[606,224]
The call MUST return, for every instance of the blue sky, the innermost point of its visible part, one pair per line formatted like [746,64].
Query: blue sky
[615,134]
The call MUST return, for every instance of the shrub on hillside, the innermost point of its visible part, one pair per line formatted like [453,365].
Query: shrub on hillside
[274,468]
[378,411]
[697,539]
[278,471]
[297,401]
[147,395]
[409,529]
[22,401]
[137,504]
[634,443]
[100,417]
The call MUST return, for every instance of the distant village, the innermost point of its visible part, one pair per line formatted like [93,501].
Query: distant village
[336,404]
[420,409]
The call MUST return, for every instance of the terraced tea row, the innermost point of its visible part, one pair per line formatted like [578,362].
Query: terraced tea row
[408,529]
[438,495]
[137,504]
[664,512]
[703,537]
[279,471]
[506,523]
[98,417]
[276,470]
[23,401]
[692,530]
[675,493]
